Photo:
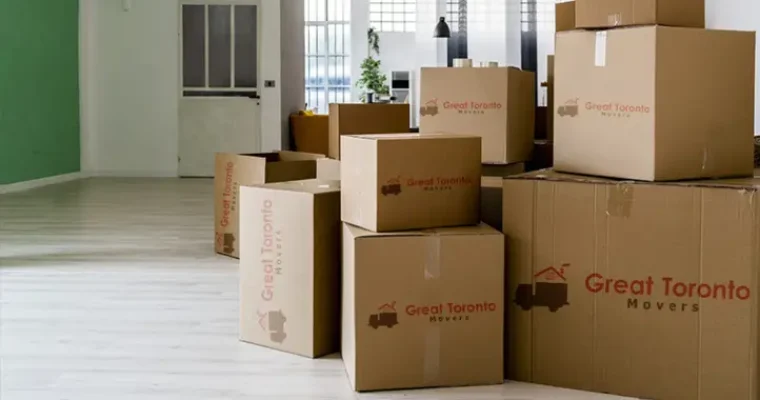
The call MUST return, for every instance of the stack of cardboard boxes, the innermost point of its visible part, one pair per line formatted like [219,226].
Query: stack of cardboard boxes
[423,300]
[624,274]
[644,285]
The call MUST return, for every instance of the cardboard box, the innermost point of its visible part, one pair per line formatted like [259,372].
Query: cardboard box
[329,169]
[422,309]
[410,181]
[549,98]
[235,170]
[290,266]
[633,288]
[655,103]
[564,16]
[310,133]
[477,101]
[356,119]
[611,13]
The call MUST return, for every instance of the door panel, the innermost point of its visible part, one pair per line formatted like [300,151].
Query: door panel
[210,125]
[219,108]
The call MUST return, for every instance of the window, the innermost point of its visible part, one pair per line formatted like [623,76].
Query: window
[219,50]
[328,48]
[456,15]
[393,15]
[538,40]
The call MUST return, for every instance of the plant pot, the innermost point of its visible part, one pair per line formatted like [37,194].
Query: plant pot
[370,98]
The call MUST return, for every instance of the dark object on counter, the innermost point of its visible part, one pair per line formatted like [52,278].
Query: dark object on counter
[543,156]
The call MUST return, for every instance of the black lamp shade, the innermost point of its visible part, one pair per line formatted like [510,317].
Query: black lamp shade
[442,29]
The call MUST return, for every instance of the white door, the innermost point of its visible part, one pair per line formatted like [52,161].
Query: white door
[219,107]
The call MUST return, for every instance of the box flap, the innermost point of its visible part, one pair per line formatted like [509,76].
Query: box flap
[478,230]
[410,136]
[311,186]
[552,175]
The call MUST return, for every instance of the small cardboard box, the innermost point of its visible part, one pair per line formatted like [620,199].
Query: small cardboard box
[655,103]
[497,104]
[423,309]
[612,13]
[329,169]
[357,119]
[311,133]
[564,16]
[410,181]
[639,289]
[290,266]
[235,170]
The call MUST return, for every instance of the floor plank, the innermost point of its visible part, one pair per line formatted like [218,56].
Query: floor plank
[109,289]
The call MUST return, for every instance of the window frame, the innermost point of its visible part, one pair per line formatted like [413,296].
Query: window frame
[214,91]
[344,90]
[387,17]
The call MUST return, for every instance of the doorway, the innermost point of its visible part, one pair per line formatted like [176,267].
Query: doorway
[220,104]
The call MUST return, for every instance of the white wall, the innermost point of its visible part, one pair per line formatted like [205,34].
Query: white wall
[130,80]
[738,15]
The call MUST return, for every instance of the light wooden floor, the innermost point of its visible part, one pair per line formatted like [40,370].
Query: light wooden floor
[110,291]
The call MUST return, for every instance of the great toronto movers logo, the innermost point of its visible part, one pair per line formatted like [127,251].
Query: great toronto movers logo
[432,108]
[273,322]
[229,194]
[270,256]
[649,293]
[550,293]
[394,186]
[609,109]
[386,315]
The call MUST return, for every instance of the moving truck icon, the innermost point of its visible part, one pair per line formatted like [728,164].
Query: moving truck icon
[393,186]
[386,316]
[569,109]
[551,294]
[430,108]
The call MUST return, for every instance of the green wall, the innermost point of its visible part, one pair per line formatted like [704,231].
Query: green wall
[39,89]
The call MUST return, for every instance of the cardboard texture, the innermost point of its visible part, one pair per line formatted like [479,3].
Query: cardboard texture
[613,13]
[497,104]
[328,168]
[410,181]
[549,98]
[655,103]
[290,266]
[310,133]
[422,309]
[356,119]
[564,16]
[235,170]
[632,288]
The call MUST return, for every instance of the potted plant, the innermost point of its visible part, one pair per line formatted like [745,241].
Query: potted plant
[372,81]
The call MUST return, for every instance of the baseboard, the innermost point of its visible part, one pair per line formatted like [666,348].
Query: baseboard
[37,183]
[134,174]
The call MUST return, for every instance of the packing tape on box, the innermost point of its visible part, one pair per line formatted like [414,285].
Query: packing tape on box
[614,19]
[600,49]
[432,361]
[620,200]
[433,258]
[432,367]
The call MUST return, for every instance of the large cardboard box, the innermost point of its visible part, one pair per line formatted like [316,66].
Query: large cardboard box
[497,104]
[290,266]
[634,288]
[655,103]
[357,118]
[310,133]
[564,14]
[235,170]
[410,181]
[610,13]
[422,309]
